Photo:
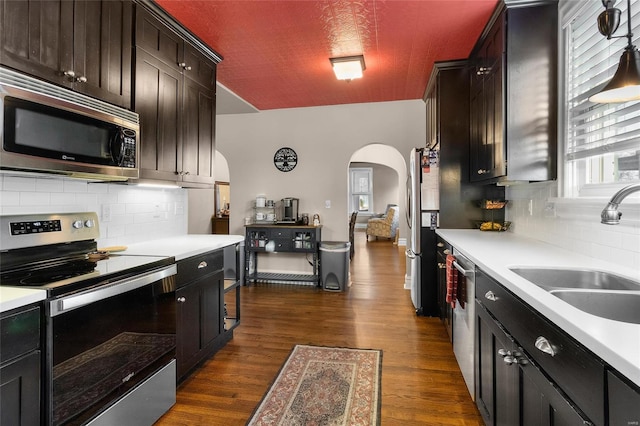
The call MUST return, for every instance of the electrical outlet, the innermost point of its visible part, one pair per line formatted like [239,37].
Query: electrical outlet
[327,204]
[178,209]
[106,213]
[549,209]
[530,207]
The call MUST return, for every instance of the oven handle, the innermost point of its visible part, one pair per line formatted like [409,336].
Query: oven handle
[66,304]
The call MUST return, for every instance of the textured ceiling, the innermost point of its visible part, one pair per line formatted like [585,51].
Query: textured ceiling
[276,53]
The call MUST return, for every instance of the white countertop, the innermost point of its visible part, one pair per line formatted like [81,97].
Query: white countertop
[617,343]
[183,246]
[15,297]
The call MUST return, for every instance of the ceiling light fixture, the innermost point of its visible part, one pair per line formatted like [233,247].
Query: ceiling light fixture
[348,67]
[625,84]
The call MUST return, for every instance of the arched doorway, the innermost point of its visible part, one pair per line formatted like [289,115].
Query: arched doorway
[389,173]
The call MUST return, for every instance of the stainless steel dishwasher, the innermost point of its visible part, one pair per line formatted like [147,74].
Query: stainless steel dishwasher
[464,321]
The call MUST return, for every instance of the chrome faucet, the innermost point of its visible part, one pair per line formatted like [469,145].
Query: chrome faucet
[610,215]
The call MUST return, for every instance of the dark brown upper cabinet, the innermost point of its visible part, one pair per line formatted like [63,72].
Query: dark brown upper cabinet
[84,45]
[513,95]
[175,88]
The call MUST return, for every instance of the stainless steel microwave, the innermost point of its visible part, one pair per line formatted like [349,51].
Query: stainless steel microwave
[46,128]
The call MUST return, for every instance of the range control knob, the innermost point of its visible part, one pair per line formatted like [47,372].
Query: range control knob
[78,224]
[90,223]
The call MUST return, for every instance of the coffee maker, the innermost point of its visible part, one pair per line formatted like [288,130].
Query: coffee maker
[289,210]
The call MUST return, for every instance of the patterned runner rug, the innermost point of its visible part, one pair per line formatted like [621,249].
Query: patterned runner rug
[324,386]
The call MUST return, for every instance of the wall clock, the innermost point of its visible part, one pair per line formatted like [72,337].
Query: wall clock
[285,159]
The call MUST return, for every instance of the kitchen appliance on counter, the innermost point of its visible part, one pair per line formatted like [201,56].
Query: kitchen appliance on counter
[51,129]
[109,320]
[290,212]
[433,172]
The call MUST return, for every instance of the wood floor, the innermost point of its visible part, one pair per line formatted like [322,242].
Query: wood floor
[421,382]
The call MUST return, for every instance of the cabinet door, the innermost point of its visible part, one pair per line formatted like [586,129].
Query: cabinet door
[158,40]
[477,124]
[497,390]
[542,403]
[102,50]
[187,327]
[623,400]
[198,144]
[20,391]
[37,38]
[158,99]
[487,107]
[212,308]
[84,45]
[198,67]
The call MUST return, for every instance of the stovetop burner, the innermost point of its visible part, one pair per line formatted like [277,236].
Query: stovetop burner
[44,276]
[52,252]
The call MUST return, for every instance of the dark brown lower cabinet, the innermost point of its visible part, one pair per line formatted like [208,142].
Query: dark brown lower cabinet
[20,355]
[200,310]
[20,391]
[511,389]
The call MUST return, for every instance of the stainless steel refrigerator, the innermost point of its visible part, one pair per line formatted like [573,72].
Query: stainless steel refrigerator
[438,195]
[422,217]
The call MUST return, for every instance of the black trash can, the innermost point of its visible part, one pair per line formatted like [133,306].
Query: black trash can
[334,265]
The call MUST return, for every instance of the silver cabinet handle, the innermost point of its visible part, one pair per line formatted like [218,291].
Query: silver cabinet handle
[81,79]
[70,73]
[543,345]
[202,264]
[446,251]
[482,171]
[182,299]
[490,296]
[440,245]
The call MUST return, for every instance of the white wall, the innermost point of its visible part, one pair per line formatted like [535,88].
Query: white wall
[201,209]
[324,139]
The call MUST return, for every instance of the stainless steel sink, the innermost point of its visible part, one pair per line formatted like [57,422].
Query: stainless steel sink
[551,278]
[615,305]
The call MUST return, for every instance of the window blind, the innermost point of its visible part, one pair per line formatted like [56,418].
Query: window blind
[596,130]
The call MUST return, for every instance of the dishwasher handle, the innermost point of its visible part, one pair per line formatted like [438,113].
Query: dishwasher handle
[466,272]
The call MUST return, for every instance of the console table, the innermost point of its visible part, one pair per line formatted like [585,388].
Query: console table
[263,238]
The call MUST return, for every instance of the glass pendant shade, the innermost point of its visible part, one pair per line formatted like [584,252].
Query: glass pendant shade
[625,84]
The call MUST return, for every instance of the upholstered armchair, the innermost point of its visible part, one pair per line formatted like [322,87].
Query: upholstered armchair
[385,226]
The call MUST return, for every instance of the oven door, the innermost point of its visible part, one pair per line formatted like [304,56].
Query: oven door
[104,342]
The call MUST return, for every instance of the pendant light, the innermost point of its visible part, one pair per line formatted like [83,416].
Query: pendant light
[625,84]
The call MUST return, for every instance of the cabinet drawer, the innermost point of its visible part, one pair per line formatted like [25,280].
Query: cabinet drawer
[624,401]
[19,333]
[578,372]
[281,234]
[199,266]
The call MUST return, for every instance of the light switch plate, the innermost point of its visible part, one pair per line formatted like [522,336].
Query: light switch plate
[327,204]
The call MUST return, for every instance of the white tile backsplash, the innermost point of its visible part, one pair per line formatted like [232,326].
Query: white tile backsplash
[135,214]
[573,226]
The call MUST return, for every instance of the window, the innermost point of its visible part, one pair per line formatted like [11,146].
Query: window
[361,189]
[602,143]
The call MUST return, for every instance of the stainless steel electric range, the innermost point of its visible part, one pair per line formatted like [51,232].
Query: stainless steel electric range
[109,320]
